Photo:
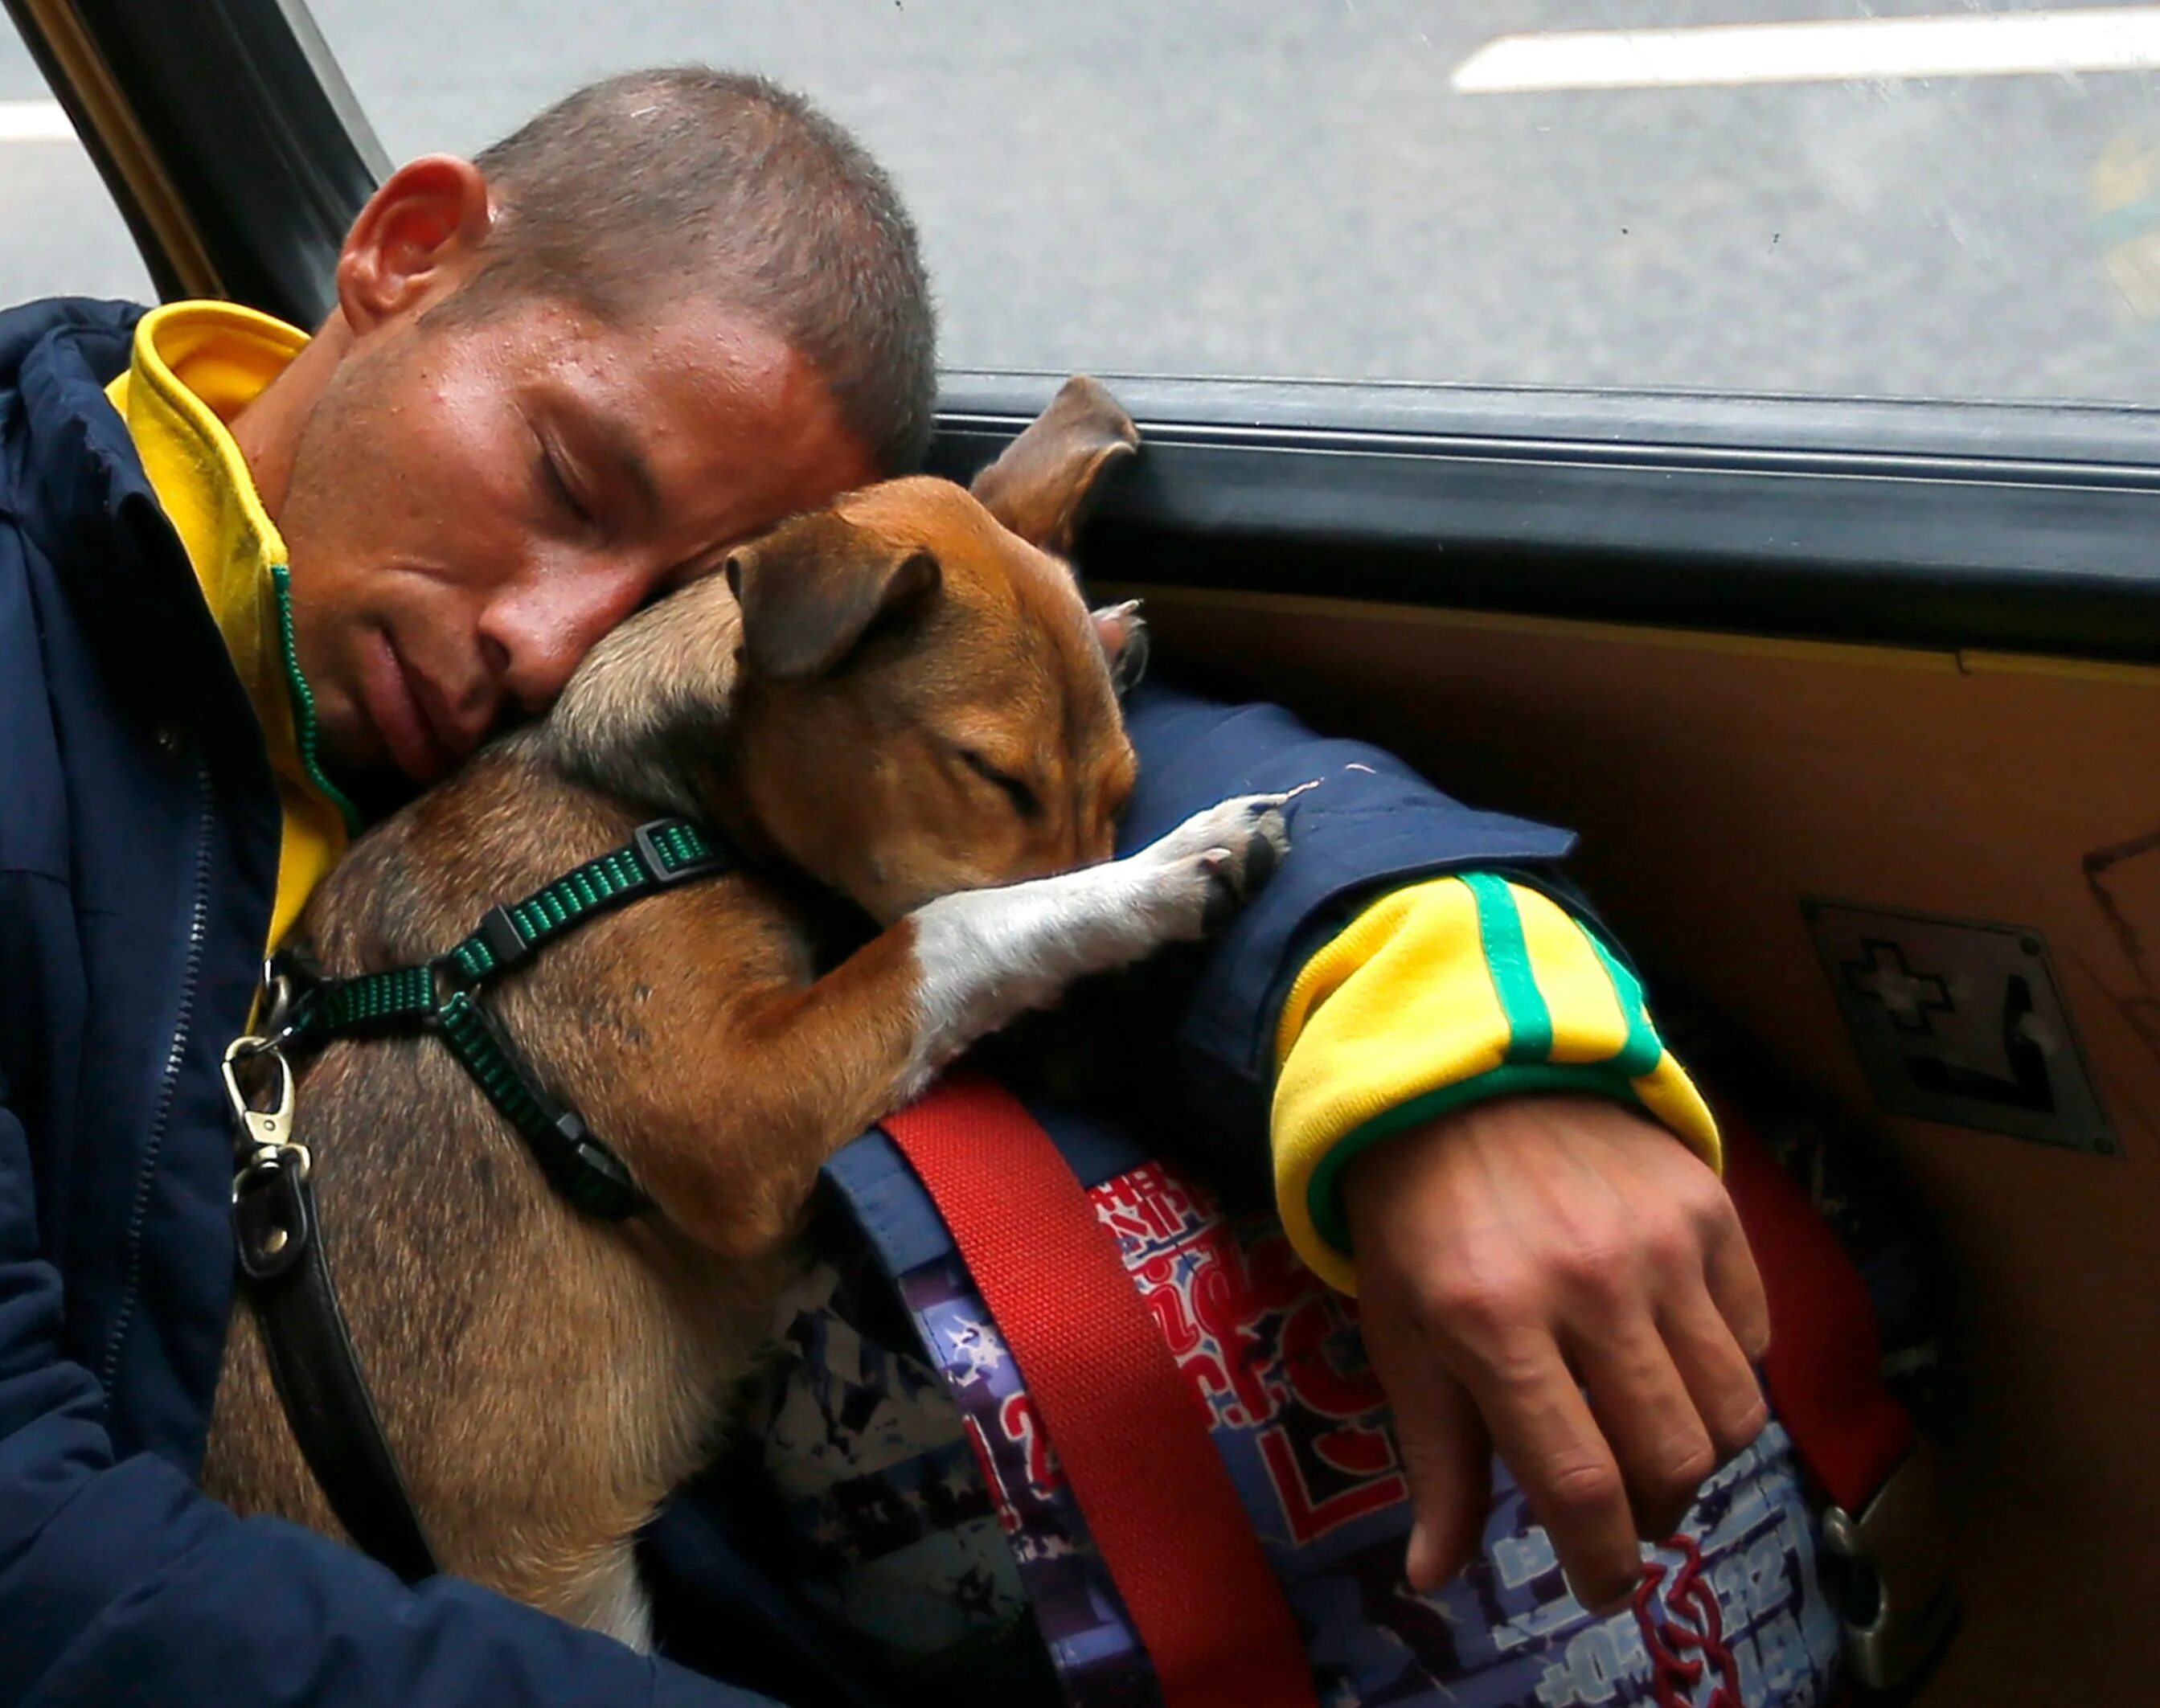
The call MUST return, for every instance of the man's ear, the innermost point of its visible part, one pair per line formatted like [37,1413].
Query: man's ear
[414,240]
[814,590]
[1039,488]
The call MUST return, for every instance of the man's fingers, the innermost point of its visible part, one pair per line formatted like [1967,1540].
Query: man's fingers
[1448,1458]
[1544,1429]
[1736,1286]
[1720,1380]
[1446,1455]
[1650,1418]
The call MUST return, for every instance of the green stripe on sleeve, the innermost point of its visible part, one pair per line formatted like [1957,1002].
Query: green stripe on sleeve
[1508,958]
[1639,1054]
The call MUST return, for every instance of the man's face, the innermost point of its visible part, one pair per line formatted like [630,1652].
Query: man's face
[474,502]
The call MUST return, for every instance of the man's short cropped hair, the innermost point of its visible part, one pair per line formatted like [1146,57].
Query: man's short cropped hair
[655,185]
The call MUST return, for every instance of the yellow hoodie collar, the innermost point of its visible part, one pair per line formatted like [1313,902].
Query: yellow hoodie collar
[194,366]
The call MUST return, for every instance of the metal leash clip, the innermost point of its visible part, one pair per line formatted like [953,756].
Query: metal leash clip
[266,1142]
[286,998]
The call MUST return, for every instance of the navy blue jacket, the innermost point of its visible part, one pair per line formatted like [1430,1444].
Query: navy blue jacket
[138,842]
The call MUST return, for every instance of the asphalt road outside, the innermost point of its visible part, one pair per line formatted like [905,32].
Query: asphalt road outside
[1296,187]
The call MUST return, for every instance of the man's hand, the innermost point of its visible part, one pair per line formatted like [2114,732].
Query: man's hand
[1512,1255]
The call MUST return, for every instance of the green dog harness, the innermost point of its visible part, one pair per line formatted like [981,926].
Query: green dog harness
[442,996]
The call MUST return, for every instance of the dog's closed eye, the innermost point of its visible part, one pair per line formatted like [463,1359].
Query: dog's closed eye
[1024,798]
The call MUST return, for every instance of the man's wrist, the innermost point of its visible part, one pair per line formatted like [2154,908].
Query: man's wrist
[1368,1182]
[1454,992]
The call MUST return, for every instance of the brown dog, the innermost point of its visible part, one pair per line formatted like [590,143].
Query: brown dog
[902,699]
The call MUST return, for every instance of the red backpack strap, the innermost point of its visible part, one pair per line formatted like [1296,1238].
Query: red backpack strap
[1824,1368]
[1130,1435]
[1852,1434]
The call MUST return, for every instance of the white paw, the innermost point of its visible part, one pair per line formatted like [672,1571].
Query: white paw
[985,957]
[1196,877]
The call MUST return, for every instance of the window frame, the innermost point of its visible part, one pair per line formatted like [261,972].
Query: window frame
[2014,527]
[239,155]
[245,192]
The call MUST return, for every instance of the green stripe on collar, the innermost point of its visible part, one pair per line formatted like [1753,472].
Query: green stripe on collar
[305,731]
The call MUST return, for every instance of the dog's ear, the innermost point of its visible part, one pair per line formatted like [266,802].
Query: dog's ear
[1122,633]
[813,590]
[1039,488]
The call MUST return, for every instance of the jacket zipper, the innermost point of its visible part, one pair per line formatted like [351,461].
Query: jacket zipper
[306,732]
[169,1086]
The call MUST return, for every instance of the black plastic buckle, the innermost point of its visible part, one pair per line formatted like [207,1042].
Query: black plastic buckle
[644,839]
[592,1176]
[504,940]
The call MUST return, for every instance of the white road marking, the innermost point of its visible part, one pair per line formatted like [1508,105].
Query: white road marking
[1828,50]
[35,122]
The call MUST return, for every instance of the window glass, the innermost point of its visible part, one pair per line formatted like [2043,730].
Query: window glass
[63,236]
[1852,197]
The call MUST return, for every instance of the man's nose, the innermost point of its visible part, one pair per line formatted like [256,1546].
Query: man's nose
[535,632]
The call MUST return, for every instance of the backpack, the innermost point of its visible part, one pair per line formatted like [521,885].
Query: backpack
[932,1505]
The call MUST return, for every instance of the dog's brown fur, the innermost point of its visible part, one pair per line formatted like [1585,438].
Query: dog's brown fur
[896,698]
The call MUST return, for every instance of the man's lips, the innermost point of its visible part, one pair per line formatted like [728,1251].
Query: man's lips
[457,736]
[397,697]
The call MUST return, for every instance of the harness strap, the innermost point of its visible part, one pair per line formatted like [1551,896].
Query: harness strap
[283,1267]
[1131,1436]
[659,854]
[441,996]
[662,853]
[287,1277]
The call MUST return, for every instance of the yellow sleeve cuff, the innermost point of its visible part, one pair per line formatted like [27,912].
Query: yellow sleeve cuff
[1441,994]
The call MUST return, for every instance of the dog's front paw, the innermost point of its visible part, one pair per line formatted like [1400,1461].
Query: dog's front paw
[1200,874]
[986,955]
